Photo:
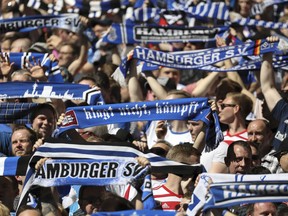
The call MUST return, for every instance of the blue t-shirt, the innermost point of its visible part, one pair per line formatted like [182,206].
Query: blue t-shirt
[280,113]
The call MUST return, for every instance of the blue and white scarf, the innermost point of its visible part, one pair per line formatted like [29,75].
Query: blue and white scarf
[225,190]
[23,24]
[258,8]
[94,164]
[197,109]
[12,166]
[23,59]
[244,65]
[68,91]
[132,33]
[192,60]
[51,8]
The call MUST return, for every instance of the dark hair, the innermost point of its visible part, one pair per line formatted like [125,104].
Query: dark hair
[83,187]
[230,151]
[116,203]
[86,77]
[74,46]
[259,170]
[225,86]
[250,208]
[43,106]
[102,80]
[33,135]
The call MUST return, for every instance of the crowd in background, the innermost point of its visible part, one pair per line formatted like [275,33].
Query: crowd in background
[251,105]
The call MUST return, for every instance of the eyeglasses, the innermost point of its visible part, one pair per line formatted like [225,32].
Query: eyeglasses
[223,105]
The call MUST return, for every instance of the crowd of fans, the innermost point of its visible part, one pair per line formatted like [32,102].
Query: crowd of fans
[251,106]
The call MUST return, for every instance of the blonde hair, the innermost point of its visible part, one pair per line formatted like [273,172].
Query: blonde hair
[4,211]
[243,101]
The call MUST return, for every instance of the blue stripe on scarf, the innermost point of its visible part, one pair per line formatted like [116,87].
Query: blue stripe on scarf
[8,166]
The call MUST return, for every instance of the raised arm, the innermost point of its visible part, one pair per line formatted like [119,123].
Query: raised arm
[267,79]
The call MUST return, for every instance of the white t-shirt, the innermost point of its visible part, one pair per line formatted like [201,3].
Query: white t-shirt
[172,137]
[218,154]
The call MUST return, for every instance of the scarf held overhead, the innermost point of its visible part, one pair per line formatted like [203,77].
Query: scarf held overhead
[177,109]
[132,33]
[51,90]
[227,190]
[94,164]
[191,60]
[23,24]
[181,109]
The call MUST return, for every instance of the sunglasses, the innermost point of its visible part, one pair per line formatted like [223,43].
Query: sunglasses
[223,105]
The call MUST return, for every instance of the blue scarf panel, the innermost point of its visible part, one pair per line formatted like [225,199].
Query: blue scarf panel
[68,91]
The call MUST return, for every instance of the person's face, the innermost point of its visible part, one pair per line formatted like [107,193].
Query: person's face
[44,123]
[256,132]
[7,192]
[5,46]
[99,30]
[194,127]
[265,208]
[241,163]
[66,56]
[227,110]
[171,73]
[245,7]
[21,144]
[284,162]
[92,199]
